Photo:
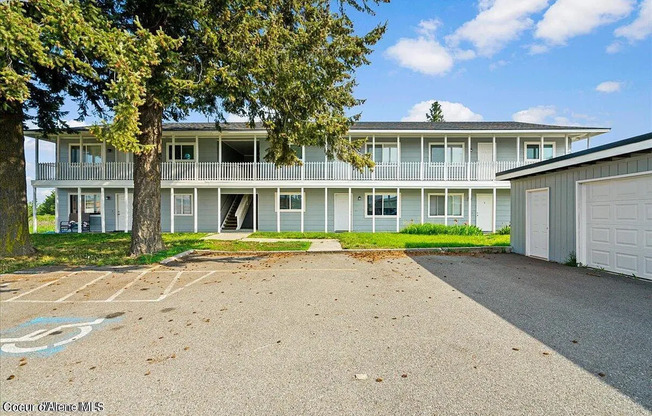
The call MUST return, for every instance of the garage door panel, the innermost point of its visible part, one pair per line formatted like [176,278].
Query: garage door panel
[617,224]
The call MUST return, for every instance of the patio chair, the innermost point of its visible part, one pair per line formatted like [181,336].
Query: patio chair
[71,225]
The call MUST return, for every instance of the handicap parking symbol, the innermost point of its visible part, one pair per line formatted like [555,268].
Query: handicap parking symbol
[48,335]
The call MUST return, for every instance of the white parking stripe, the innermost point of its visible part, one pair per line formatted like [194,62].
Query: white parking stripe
[188,284]
[170,286]
[40,287]
[83,287]
[127,286]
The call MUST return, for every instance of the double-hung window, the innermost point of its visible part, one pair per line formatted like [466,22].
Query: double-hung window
[386,205]
[182,152]
[183,204]
[437,205]
[289,201]
[383,152]
[92,153]
[455,153]
[533,151]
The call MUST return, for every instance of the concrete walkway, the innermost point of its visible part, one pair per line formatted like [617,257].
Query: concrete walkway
[228,235]
[315,244]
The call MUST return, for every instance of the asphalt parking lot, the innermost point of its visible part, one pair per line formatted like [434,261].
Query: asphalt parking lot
[288,333]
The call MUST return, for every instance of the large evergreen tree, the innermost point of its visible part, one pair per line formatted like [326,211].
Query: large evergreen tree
[287,62]
[435,114]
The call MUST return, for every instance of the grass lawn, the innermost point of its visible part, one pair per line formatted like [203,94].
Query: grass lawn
[112,249]
[45,223]
[396,240]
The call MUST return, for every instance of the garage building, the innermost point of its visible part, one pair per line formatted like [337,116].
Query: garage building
[595,205]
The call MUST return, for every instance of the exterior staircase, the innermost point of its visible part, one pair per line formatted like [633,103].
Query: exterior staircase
[231,221]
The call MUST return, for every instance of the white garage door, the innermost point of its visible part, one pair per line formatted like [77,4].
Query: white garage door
[616,225]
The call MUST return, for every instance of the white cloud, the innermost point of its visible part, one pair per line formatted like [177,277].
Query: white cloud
[423,54]
[234,118]
[451,111]
[537,49]
[498,64]
[609,86]
[614,47]
[641,27]
[498,23]
[537,115]
[566,19]
[75,123]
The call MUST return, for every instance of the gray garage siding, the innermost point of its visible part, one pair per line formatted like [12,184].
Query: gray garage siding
[562,200]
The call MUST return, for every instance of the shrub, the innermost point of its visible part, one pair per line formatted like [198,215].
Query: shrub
[433,229]
[571,260]
[505,230]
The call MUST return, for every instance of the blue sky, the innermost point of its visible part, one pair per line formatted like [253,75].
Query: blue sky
[568,62]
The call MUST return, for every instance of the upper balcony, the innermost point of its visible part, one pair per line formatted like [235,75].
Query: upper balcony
[248,171]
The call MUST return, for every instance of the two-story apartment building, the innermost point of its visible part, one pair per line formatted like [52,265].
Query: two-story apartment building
[216,180]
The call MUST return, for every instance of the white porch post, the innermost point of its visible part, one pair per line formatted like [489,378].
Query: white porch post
[255,158]
[195,209]
[566,148]
[102,209]
[325,210]
[470,223]
[219,210]
[588,141]
[171,209]
[468,160]
[373,156]
[303,202]
[541,151]
[81,160]
[57,150]
[103,159]
[56,210]
[445,157]
[219,159]
[421,165]
[278,210]
[326,160]
[303,166]
[174,158]
[493,150]
[350,169]
[518,149]
[445,206]
[126,210]
[350,209]
[398,209]
[36,157]
[493,225]
[422,201]
[196,155]
[373,210]
[255,219]
[79,210]
[398,157]
[34,203]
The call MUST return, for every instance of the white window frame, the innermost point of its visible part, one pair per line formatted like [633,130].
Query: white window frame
[169,145]
[192,205]
[398,205]
[71,145]
[450,194]
[303,202]
[83,194]
[383,145]
[526,144]
[456,144]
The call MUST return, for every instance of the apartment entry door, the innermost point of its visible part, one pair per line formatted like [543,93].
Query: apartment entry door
[341,212]
[484,211]
[120,211]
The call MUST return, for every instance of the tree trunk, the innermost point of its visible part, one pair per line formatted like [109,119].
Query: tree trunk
[146,226]
[14,228]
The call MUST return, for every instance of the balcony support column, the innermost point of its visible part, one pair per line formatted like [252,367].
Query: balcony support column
[588,141]
[171,209]
[373,210]
[303,206]
[103,160]
[445,206]
[57,152]
[421,165]
[79,210]
[126,210]
[350,168]
[81,160]
[278,210]
[468,160]
[422,202]
[36,158]
[493,150]
[518,149]
[56,210]
[196,155]
[303,164]
[567,150]
[325,210]
[541,152]
[398,157]
[469,208]
[446,158]
[398,209]
[253,201]
[325,160]
[373,156]
[350,210]
[174,158]
[493,224]
[195,210]
[34,206]
[255,173]
[219,210]
[102,210]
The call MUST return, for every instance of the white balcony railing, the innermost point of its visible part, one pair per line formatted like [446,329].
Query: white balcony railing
[310,171]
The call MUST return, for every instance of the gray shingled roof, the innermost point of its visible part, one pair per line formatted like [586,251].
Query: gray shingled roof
[395,125]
